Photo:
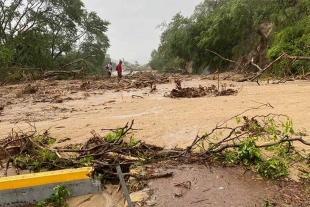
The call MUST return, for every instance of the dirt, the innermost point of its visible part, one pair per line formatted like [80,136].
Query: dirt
[224,187]
[201,185]
[211,187]
[68,111]
[163,121]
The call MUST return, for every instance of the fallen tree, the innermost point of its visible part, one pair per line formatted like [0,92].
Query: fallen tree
[30,74]
[261,70]
[73,73]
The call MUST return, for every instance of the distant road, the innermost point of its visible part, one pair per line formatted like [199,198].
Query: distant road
[125,72]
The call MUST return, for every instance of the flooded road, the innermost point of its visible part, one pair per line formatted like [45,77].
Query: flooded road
[161,120]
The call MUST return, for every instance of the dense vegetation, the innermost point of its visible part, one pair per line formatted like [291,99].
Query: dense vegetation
[49,34]
[235,29]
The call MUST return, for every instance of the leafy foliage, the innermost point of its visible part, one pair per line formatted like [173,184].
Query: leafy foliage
[272,168]
[49,34]
[57,199]
[111,137]
[248,153]
[246,145]
[233,29]
[87,161]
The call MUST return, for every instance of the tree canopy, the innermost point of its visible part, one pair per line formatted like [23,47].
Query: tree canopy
[233,29]
[48,34]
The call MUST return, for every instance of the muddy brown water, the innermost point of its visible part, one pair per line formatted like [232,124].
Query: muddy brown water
[218,186]
[160,120]
[199,185]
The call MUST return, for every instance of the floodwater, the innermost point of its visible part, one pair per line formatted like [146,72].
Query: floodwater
[158,120]
[161,120]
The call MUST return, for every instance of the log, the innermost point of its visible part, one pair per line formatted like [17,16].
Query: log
[56,73]
[125,157]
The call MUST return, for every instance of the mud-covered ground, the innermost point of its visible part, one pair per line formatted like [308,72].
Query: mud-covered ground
[73,108]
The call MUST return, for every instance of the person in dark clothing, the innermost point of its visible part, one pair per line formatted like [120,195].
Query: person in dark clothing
[119,69]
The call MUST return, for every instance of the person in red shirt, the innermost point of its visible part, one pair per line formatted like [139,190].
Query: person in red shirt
[119,69]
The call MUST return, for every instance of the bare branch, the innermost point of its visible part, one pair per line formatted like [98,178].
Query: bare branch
[282,140]
[232,61]
[249,109]
[80,60]
[264,69]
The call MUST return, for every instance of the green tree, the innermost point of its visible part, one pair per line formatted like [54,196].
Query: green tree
[49,34]
[233,29]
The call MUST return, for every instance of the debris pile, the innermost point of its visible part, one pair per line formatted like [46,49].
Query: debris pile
[193,92]
[57,91]
[33,152]
[137,81]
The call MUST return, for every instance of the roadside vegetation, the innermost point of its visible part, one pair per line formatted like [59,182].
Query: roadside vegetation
[46,35]
[240,30]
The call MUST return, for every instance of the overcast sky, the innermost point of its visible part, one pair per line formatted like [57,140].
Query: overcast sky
[132,32]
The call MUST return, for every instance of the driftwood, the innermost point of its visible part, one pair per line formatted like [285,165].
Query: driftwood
[100,152]
[124,157]
[56,73]
[193,92]
[149,177]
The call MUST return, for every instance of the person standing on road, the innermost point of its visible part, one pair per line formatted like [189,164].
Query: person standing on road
[119,69]
[109,69]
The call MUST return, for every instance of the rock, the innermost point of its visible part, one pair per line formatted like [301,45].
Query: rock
[138,197]
[151,201]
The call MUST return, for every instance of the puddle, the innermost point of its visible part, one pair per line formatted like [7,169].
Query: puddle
[210,187]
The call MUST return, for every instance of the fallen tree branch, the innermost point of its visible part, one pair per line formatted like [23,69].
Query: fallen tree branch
[282,140]
[296,57]
[261,70]
[125,129]
[149,177]
[76,61]
[249,109]
[69,73]
[6,152]
[124,157]
[232,61]
[56,73]
[133,96]
[19,139]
